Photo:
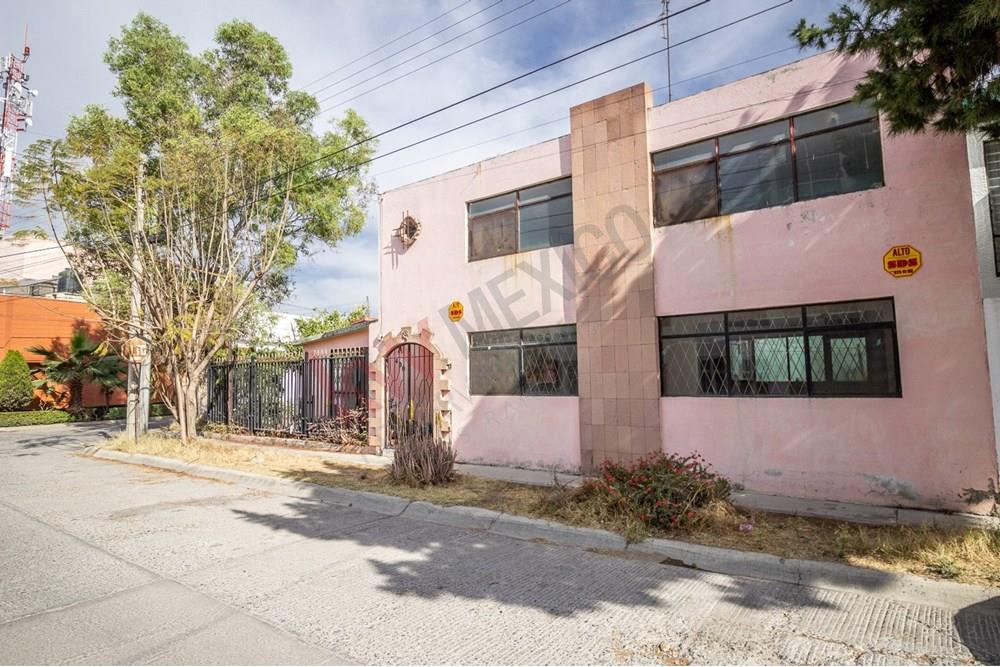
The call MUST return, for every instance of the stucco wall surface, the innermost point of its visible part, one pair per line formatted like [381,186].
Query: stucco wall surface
[918,450]
[349,340]
[535,288]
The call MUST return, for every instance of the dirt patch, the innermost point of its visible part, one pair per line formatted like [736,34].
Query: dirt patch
[970,555]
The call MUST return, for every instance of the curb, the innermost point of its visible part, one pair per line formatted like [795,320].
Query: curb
[876,515]
[834,576]
[526,528]
[458,516]
[816,574]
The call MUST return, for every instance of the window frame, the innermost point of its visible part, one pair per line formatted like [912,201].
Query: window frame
[516,207]
[520,346]
[790,139]
[993,212]
[805,331]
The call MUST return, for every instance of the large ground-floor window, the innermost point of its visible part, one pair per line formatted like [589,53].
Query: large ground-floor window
[540,361]
[832,349]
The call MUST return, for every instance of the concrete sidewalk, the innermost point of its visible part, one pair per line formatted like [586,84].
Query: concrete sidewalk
[834,576]
[113,563]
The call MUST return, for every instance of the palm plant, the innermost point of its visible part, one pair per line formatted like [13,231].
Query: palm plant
[84,360]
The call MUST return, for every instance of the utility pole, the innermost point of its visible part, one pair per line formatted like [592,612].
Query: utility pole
[16,117]
[139,362]
[666,37]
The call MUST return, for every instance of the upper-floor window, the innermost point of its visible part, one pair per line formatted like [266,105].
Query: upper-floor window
[540,361]
[826,152]
[991,152]
[527,219]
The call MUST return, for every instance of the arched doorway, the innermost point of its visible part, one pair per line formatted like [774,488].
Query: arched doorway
[409,393]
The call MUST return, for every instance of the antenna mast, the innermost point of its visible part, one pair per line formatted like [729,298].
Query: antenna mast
[666,37]
[17,105]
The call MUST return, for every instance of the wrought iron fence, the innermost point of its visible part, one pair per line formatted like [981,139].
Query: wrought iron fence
[306,397]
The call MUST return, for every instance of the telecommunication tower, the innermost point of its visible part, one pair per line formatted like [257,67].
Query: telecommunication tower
[17,102]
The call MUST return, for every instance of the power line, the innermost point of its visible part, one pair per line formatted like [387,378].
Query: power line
[59,314]
[493,88]
[434,62]
[563,118]
[528,101]
[834,83]
[371,138]
[22,269]
[29,265]
[351,304]
[26,252]
[686,122]
[338,172]
[513,80]
[496,113]
[394,39]
[830,84]
[396,53]
[456,103]
[44,281]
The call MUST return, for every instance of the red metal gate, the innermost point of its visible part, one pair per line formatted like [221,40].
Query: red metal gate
[409,400]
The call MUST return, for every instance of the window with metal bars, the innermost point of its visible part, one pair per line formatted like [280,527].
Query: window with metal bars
[527,219]
[832,349]
[991,153]
[540,361]
[826,152]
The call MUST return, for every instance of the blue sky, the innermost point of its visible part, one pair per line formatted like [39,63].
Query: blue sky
[68,40]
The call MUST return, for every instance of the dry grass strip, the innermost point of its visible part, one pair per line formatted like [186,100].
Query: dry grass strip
[970,555]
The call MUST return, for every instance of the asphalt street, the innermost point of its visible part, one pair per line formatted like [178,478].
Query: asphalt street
[103,562]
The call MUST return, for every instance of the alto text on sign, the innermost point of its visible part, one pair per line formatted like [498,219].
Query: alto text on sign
[902,261]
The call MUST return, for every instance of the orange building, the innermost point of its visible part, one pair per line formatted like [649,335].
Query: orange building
[27,321]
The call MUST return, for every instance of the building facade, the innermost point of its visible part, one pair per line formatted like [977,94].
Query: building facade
[29,321]
[761,273]
[354,336]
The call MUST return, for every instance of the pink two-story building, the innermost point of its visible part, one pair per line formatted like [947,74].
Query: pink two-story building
[760,272]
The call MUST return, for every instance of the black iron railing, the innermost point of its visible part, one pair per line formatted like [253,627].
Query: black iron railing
[309,396]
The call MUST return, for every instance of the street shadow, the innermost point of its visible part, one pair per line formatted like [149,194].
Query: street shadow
[429,560]
[74,435]
[978,625]
[35,445]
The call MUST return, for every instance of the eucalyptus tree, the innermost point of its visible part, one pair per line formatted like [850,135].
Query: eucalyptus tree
[219,163]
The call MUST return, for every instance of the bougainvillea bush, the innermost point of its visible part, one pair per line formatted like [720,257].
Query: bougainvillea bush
[663,491]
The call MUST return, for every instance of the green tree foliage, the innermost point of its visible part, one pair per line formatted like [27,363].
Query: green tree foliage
[327,320]
[84,360]
[236,184]
[16,390]
[938,62]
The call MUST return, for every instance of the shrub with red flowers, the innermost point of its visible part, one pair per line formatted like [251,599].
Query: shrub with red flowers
[661,490]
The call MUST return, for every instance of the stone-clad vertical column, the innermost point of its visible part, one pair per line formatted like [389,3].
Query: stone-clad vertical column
[616,318]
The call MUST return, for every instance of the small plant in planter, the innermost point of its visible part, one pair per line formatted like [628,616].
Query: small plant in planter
[423,461]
